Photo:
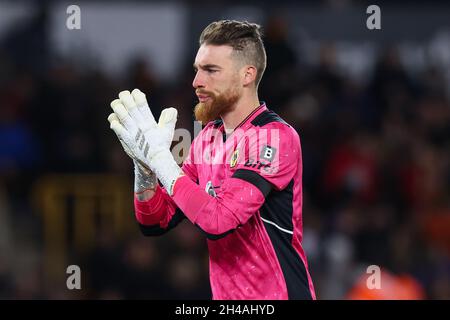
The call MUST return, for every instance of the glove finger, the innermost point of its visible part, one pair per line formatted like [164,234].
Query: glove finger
[117,128]
[139,97]
[144,109]
[168,118]
[112,117]
[122,114]
[127,100]
[130,105]
[122,133]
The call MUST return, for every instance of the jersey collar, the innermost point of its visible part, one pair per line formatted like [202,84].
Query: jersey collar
[262,107]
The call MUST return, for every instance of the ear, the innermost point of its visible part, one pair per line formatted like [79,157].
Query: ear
[249,75]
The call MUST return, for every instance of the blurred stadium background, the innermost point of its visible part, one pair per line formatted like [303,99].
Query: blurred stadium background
[372,109]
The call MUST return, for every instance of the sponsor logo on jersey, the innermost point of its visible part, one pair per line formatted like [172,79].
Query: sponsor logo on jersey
[268,153]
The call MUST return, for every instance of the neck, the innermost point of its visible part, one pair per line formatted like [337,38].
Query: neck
[242,109]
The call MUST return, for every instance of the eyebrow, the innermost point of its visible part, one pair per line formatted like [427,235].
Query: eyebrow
[206,66]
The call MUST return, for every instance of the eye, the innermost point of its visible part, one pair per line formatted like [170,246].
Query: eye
[211,71]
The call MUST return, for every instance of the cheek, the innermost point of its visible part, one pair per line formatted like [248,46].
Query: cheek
[219,86]
[226,83]
[215,84]
[238,82]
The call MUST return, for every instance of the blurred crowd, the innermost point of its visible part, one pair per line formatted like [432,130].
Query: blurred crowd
[376,173]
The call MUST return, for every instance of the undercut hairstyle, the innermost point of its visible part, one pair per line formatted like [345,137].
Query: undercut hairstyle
[245,38]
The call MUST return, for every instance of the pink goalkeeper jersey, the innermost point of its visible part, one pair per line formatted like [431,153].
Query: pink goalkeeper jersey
[244,192]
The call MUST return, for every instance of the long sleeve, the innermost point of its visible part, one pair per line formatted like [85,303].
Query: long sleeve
[220,215]
[242,194]
[160,213]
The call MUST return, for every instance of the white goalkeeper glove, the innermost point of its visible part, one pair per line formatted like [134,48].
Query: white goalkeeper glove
[145,140]
[144,178]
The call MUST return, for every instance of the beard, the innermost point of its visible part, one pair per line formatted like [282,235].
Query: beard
[217,105]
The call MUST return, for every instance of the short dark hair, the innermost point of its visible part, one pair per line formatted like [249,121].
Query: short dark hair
[245,38]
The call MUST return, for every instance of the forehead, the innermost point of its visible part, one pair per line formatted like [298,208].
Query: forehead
[213,54]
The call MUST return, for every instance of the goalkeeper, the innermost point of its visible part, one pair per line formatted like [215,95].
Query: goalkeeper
[241,183]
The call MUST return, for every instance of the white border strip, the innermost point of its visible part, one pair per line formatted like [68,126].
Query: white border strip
[277,226]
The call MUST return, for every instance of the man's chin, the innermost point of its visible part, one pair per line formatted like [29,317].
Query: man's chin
[203,112]
[214,108]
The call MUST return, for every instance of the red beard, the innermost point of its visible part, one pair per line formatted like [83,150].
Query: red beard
[216,106]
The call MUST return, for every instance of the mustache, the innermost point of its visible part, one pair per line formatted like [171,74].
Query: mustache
[204,92]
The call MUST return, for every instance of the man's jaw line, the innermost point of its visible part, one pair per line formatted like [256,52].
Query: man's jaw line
[233,116]
[241,109]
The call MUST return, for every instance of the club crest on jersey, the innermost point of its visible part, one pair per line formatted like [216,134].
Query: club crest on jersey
[234,158]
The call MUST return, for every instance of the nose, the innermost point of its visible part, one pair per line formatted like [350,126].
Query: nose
[198,81]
